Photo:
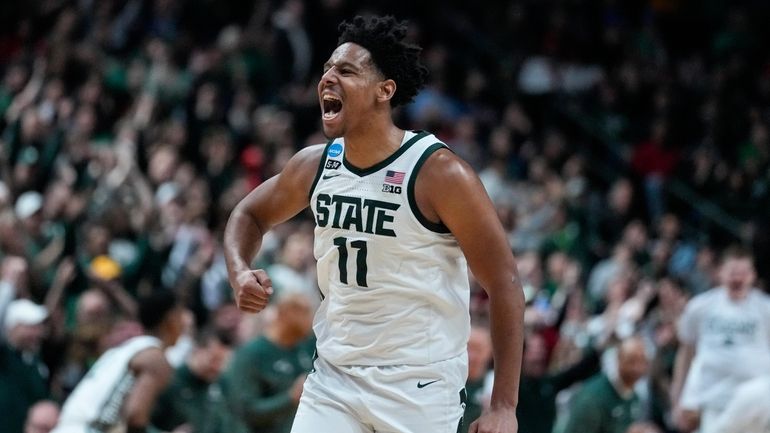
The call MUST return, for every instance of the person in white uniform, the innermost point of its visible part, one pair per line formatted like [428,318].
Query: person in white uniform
[399,220]
[724,338]
[749,409]
[119,391]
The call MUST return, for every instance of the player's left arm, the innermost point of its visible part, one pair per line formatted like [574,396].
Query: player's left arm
[450,191]
[152,373]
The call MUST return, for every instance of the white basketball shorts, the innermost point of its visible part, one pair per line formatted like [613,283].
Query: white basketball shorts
[391,399]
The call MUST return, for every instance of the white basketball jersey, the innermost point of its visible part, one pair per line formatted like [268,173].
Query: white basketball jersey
[732,341]
[394,285]
[96,403]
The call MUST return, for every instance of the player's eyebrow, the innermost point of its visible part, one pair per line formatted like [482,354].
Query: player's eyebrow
[341,64]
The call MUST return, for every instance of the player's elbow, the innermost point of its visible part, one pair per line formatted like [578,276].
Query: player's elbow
[137,418]
[243,219]
[137,413]
[238,216]
[507,297]
[508,290]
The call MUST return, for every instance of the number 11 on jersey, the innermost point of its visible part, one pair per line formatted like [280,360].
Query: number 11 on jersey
[361,269]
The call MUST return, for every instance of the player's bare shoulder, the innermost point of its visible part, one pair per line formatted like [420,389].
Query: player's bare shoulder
[310,154]
[442,168]
[447,184]
[307,159]
[150,359]
[301,168]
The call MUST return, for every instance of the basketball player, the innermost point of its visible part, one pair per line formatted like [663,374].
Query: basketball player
[725,341]
[119,391]
[399,218]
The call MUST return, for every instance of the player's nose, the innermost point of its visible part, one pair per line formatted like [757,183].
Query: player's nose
[329,77]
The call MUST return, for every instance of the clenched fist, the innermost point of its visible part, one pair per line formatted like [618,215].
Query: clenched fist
[252,290]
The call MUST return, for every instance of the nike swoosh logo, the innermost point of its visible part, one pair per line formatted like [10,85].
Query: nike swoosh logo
[329,176]
[423,385]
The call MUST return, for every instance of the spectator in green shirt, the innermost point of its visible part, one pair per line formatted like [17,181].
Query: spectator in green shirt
[536,411]
[608,403]
[194,397]
[263,383]
[23,377]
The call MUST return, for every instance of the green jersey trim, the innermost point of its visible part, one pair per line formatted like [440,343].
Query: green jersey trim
[430,225]
[320,170]
[361,172]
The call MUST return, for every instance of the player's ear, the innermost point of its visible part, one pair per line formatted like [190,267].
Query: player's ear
[385,90]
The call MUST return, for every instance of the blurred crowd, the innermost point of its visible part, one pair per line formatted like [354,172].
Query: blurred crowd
[131,128]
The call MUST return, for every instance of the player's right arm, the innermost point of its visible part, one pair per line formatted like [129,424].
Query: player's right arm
[684,357]
[685,418]
[274,201]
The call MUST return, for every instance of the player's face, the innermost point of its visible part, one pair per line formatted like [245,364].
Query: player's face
[347,90]
[738,274]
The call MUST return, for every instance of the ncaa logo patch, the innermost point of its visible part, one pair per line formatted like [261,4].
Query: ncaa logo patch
[335,150]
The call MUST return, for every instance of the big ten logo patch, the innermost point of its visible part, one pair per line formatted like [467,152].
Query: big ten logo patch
[393,181]
[393,189]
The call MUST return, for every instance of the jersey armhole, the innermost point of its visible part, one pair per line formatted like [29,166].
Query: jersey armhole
[430,225]
[320,170]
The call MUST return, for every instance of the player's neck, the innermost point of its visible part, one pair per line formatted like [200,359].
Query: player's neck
[366,146]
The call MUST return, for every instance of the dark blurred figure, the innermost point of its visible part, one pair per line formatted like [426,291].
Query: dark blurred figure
[122,386]
[264,381]
[479,356]
[194,398]
[537,395]
[23,377]
[608,403]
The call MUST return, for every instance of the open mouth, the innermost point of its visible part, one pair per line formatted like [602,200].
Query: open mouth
[332,106]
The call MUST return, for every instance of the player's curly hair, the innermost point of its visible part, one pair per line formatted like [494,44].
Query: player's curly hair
[383,37]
